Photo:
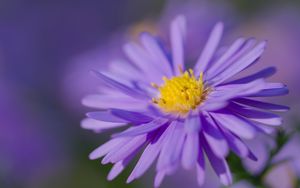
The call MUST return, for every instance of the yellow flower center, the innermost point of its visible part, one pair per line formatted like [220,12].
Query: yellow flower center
[180,94]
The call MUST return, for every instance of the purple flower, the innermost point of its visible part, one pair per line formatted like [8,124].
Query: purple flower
[179,115]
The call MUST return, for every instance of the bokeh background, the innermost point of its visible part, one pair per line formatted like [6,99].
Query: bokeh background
[48,47]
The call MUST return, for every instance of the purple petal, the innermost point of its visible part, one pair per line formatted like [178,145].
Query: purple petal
[232,60]
[271,92]
[119,86]
[236,144]
[159,178]
[172,149]
[107,147]
[142,60]
[255,115]
[125,71]
[235,124]
[130,116]
[147,158]
[128,148]
[209,49]
[225,57]
[119,167]
[261,146]
[96,125]
[105,116]
[164,157]
[265,73]
[262,105]
[214,138]
[178,31]
[192,123]
[241,64]
[144,128]
[161,174]
[226,92]
[190,150]
[220,166]
[213,105]
[200,167]
[160,60]
[108,101]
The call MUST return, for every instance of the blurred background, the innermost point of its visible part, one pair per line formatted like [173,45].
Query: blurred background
[48,47]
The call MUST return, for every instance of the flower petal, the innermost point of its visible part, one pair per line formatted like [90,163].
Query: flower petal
[232,50]
[256,115]
[244,62]
[235,124]
[219,165]
[200,168]
[119,86]
[105,116]
[147,158]
[144,128]
[130,116]
[119,167]
[160,60]
[178,31]
[108,101]
[214,138]
[209,49]
[265,73]
[96,125]
[107,147]
[262,105]
[128,148]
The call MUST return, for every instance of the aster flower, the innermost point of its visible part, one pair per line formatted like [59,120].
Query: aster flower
[178,115]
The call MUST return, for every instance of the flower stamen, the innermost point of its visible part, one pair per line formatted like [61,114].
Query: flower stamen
[180,94]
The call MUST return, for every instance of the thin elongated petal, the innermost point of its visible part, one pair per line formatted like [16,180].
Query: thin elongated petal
[107,101]
[107,147]
[247,45]
[256,115]
[241,64]
[262,105]
[159,178]
[99,125]
[265,73]
[178,31]
[225,57]
[219,165]
[235,124]
[128,148]
[238,90]
[144,128]
[160,60]
[147,158]
[236,144]
[200,167]
[143,61]
[190,150]
[105,116]
[164,159]
[131,116]
[192,124]
[119,86]
[271,92]
[209,49]
[120,166]
[215,139]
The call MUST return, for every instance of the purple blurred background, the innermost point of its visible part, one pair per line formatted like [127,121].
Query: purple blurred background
[48,47]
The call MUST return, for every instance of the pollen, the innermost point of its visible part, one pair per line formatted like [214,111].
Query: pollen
[180,94]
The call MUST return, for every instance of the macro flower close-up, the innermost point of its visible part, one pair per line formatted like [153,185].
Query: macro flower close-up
[143,94]
[181,114]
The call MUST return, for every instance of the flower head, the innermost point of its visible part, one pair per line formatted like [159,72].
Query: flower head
[179,115]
